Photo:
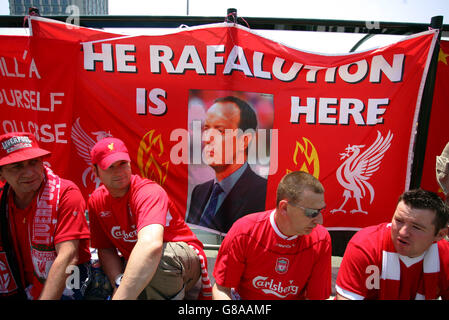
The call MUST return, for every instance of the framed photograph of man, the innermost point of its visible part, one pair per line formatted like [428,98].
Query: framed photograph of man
[230,140]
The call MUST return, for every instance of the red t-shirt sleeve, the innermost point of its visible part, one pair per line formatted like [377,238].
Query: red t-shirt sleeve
[353,272]
[150,204]
[319,285]
[98,239]
[230,262]
[72,222]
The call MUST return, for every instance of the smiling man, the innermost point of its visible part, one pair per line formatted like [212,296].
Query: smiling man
[283,253]
[43,227]
[135,216]
[405,259]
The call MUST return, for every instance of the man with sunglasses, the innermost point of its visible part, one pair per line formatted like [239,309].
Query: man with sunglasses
[278,254]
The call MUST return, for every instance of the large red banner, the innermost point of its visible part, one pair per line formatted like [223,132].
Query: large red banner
[438,135]
[349,119]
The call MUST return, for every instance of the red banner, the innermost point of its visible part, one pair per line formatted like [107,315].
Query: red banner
[438,135]
[347,119]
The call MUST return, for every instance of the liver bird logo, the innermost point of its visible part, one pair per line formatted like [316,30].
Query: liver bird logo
[358,167]
[84,143]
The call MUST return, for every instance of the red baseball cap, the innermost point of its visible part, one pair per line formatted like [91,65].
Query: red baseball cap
[19,146]
[107,151]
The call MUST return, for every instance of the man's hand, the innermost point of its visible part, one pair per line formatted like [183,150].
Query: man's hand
[221,293]
[142,263]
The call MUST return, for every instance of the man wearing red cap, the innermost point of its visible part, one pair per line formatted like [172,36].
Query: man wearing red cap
[133,215]
[44,233]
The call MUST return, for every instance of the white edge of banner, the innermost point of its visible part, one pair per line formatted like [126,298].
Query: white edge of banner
[418,108]
[342,229]
[183,28]
[180,29]
[74,26]
[31,18]
[196,226]
[419,34]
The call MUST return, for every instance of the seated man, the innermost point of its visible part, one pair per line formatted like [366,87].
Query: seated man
[44,232]
[405,259]
[278,254]
[136,217]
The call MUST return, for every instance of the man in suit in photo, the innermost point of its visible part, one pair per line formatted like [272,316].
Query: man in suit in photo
[236,189]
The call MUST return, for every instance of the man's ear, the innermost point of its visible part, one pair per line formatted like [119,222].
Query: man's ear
[245,141]
[248,138]
[95,170]
[442,234]
[282,206]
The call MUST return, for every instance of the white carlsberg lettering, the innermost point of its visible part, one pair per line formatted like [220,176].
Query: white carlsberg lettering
[269,286]
[119,234]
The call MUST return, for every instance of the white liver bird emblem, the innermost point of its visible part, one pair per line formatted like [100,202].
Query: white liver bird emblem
[84,143]
[354,173]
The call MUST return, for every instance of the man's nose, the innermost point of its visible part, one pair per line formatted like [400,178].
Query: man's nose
[404,230]
[28,170]
[319,218]
[208,136]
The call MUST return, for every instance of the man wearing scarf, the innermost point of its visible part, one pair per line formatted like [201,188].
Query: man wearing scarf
[44,235]
[402,260]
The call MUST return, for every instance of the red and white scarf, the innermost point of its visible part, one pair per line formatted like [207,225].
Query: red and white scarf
[41,230]
[391,271]
[206,286]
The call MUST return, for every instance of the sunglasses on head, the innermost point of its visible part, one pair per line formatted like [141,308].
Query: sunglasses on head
[309,212]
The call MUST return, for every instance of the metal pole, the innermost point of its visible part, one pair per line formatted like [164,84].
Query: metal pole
[231,15]
[361,41]
[424,113]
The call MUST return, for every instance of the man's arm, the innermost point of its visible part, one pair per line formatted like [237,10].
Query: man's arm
[142,263]
[67,254]
[319,284]
[221,293]
[111,264]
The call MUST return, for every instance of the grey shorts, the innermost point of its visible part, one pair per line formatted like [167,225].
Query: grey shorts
[178,271]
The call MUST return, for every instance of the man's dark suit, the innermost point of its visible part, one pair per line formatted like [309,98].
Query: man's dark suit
[247,196]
